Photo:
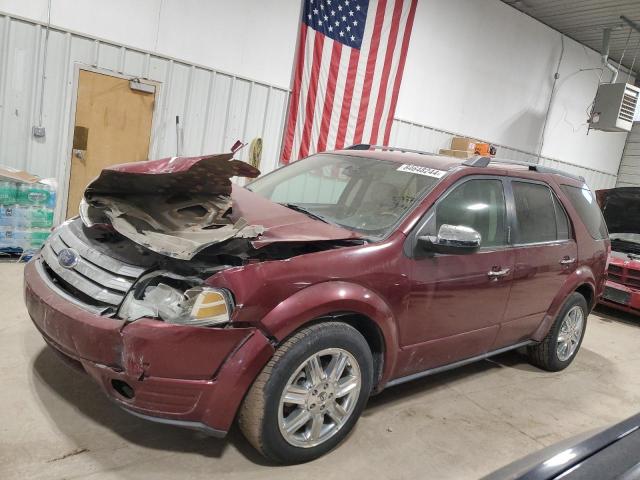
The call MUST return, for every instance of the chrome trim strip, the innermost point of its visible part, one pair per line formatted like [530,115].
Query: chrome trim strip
[78,281]
[89,270]
[451,366]
[58,291]
[548,242]
[91,255]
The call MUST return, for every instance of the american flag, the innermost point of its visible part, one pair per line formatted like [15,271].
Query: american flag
[351,56]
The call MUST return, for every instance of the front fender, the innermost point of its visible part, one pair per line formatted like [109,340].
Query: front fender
[579,277]
[327,298]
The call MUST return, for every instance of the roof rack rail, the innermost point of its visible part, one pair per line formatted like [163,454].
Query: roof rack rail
[482,162]
[477,162]
[366,146]
[359,146]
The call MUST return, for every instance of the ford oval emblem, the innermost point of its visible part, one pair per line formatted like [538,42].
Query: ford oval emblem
[68,258]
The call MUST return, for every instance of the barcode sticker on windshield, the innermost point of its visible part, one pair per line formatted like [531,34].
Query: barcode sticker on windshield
[420,170]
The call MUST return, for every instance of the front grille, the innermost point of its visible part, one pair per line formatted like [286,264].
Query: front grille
[624,276]
[95,279]
[615,270]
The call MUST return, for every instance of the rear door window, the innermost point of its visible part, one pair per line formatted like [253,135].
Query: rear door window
[540,217]
[584,201]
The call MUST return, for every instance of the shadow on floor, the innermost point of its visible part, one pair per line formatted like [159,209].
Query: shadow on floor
[609,314]
[404,391]
[79,390]
[516,359]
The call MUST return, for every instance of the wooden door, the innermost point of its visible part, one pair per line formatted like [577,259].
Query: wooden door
[112,126]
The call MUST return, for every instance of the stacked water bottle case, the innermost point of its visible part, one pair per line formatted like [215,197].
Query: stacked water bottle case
[26,214]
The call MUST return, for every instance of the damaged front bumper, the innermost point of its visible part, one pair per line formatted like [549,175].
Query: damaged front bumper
[621,297]
[186,376]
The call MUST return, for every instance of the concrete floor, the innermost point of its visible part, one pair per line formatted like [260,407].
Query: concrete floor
[55,423]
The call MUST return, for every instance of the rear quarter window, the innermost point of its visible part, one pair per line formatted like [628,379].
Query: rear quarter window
[584,201]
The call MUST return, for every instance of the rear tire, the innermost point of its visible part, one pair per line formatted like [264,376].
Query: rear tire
[320,378]
[560,346]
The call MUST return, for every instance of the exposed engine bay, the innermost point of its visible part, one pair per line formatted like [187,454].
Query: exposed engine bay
[621,210]
[151,233]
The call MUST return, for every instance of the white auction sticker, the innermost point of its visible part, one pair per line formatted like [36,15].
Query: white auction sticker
[420,170]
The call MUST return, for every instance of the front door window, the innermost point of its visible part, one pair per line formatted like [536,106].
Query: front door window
[478,204]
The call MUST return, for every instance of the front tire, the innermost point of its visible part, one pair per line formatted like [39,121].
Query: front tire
[310,394]
[560,346]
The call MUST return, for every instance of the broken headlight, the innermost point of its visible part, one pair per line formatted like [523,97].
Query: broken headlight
[197,306]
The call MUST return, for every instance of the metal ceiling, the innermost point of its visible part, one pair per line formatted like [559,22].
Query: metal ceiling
[584,21]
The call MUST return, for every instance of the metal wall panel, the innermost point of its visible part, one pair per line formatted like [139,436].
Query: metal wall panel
[596,179]
[422,137]
[215,108]
[629,173]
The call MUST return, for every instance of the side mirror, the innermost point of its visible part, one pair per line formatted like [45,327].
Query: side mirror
[453,239]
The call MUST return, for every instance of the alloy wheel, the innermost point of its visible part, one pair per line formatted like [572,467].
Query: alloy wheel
[570,333]
[319,398]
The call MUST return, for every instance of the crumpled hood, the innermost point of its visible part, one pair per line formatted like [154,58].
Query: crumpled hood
[210,174]
[282,224]
[179,206]
[620,208]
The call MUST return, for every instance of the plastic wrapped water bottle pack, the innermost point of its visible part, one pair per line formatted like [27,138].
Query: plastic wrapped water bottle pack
[26,213]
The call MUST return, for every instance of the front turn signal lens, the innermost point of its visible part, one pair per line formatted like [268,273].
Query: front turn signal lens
[209,305]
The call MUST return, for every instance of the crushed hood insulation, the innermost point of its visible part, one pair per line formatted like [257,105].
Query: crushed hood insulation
[179,206]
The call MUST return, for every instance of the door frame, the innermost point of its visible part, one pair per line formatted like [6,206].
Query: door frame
[63,189]
[411,239]
[556,200]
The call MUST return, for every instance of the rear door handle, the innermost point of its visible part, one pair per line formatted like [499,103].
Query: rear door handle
[567,261]
[498,273]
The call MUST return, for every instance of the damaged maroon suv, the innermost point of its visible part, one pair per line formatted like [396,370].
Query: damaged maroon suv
[287,303]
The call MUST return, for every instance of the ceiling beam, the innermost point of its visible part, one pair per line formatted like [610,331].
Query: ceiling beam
[631,23]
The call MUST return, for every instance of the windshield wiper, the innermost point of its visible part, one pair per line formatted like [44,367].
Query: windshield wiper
[301,209]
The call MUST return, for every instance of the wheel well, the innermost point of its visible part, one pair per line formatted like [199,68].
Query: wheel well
[587,292]
[369,330]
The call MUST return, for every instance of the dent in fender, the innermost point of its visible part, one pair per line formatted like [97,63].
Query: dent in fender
[236,376]
[324,299]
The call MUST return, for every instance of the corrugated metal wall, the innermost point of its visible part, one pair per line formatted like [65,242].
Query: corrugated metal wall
[216,108]
[629,173]
[430,139]
[596,179]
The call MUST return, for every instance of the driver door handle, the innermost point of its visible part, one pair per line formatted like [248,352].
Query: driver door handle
[498,273]
[567,260]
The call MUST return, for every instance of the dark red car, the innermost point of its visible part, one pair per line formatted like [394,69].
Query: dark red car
[621,210]
[289,302]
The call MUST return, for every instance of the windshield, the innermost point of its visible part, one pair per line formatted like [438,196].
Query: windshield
[362,194]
